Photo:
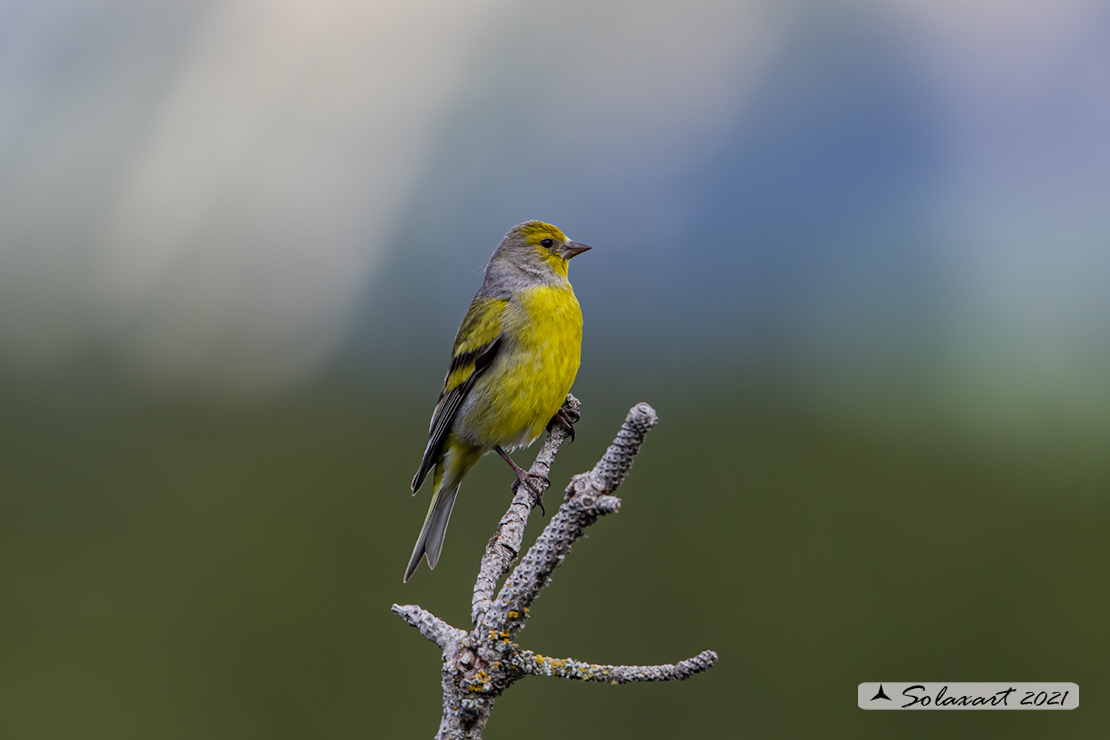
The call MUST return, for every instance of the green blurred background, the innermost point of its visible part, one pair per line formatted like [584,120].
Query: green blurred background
[857,256]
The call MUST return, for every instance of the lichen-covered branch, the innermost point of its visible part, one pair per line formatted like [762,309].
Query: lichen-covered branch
[504,546]
[478,666]
[428,624]
[542,665]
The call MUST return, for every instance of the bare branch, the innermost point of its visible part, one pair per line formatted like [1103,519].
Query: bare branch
[614,465]
[586,500]
[429,625]
[504,546]
[541,665]
[480,665]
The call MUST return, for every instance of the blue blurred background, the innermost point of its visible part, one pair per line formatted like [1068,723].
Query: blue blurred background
[856,254]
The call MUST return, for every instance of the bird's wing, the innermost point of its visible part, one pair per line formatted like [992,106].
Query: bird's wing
[475,348]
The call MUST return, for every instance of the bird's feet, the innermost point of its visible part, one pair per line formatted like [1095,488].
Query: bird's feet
[536,485]
[534,482]
[564,418]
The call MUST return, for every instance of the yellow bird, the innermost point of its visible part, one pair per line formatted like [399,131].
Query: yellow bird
[515,358]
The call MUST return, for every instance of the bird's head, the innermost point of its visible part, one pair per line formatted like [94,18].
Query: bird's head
[538,248]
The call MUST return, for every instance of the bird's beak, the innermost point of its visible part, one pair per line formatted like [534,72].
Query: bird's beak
[570,249]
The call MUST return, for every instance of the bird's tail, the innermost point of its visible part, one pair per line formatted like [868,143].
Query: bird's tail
[430,541]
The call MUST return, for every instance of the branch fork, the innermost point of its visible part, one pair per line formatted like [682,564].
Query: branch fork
[479,665]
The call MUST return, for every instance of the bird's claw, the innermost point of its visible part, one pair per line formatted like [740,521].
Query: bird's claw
[564,419]
[534,487]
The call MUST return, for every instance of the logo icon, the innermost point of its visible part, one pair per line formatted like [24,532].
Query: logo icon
[881,695]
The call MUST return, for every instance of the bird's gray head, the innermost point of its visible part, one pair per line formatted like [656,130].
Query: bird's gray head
[532,252]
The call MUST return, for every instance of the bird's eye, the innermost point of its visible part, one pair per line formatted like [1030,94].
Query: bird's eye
[547,242]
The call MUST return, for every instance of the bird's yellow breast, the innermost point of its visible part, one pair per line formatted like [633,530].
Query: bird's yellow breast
[538,362]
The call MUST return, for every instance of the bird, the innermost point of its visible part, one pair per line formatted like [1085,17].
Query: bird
[514,360]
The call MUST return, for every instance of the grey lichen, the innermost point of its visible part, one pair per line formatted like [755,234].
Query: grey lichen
[478,666]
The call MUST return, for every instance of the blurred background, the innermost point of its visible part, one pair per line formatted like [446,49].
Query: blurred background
[856,254]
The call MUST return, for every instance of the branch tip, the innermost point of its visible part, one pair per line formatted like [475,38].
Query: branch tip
[428,624]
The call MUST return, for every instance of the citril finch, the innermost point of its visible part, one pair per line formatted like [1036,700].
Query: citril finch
[514,360]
